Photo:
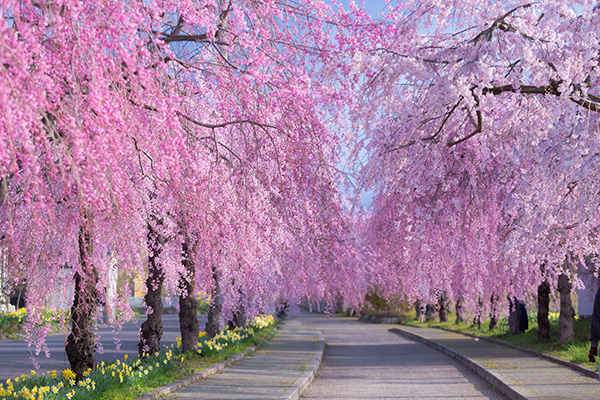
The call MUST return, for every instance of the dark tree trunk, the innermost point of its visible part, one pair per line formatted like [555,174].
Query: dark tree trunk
[543,310]
[459,310]
[566,318]
[152,328]
[514,316]
[3,189]
[188,305]
[493,311]
[477,319]
[213,326]
[443,301]
[239,319]
[418,310]
[430,313]
[81,343]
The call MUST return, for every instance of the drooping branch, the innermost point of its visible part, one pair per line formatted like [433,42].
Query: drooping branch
[445,119]
[478,124]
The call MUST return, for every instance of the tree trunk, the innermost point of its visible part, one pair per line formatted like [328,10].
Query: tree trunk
[81,343]
[213,326]
[477,319]
[152,328]
[566,318]
[514,316]
[443,308]
[493,311]
[188,305]
[418,310]
[543,310]
[459,310]
[239,319]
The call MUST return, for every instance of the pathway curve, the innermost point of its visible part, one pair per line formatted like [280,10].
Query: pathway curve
[367,361]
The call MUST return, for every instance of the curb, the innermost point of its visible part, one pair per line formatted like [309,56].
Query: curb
[172,387]
[579,368]
[511,390]
[295,390]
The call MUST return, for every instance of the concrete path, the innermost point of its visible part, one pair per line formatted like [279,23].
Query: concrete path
[280,370]
[519,375]
[367,361]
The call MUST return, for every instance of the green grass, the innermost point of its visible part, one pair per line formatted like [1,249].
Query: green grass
[129,379]
[575,351]
[11,324]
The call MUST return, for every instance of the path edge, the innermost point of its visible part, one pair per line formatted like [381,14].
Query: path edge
[174,386]
[579,368]
[303,381]
[509,389]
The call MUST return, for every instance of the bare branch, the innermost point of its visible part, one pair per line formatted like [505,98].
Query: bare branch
[502,25]
[589,102]
[213,138]
[445,120]
[135,144]
[402,146]
[225,124]
[478,126]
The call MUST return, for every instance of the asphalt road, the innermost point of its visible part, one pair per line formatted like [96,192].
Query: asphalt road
[366,361]
[15,356]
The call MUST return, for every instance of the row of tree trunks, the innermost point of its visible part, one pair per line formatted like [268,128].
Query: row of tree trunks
[566,318]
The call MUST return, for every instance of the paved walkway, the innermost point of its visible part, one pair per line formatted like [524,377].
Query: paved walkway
[368,361]
[277,371]
[519,375]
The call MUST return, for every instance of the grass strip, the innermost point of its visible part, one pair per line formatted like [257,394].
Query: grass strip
[133,378]
[575,351]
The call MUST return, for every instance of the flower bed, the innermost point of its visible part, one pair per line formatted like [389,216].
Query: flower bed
[119,379]
[12,323]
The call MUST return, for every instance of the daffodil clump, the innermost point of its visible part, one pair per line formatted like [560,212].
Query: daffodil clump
[228,338]
[15,320]
[128,373]
[553,316]
[107,376]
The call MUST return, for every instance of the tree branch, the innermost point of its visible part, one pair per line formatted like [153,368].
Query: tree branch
[502,25]
[445,120]
[478,125]
[589,102]
[224,124]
